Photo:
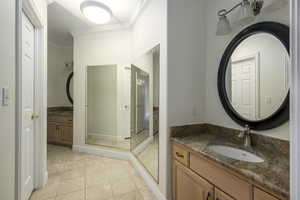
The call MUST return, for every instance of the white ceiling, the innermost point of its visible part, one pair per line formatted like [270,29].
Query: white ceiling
[65,17]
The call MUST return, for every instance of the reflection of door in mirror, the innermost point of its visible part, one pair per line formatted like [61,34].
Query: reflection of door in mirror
[257,76]
[244,86]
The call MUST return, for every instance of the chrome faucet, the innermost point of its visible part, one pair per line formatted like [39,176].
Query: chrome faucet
[246,135]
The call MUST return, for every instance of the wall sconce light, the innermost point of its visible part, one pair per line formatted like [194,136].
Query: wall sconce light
[248,10]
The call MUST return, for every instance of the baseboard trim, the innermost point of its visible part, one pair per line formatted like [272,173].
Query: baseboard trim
[45,180]
[102,151]
[100,136]
[123,155]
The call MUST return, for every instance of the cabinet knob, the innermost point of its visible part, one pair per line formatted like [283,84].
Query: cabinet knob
[179,155]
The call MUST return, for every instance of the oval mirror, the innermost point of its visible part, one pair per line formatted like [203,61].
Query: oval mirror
[254,78]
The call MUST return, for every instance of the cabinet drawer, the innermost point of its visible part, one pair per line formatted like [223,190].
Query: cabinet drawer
[60,119]
[261,195]
[229,183]
[181,155]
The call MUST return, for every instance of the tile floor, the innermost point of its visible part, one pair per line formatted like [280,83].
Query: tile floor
[78,176]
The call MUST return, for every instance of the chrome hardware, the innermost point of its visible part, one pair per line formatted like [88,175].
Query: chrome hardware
[246,135]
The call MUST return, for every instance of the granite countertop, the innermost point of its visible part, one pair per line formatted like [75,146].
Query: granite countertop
[60,111]
[272,174]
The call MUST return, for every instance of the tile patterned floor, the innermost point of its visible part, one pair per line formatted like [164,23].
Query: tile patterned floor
[78,176]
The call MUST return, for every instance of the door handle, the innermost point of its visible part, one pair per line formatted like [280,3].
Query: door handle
[34,116]
[179,155]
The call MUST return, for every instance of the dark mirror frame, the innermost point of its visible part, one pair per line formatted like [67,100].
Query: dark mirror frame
[68,87]
[281,32]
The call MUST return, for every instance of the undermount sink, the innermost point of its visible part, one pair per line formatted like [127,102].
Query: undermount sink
[235,153]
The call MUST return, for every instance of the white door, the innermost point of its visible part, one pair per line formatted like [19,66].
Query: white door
[27,137]
[244,84]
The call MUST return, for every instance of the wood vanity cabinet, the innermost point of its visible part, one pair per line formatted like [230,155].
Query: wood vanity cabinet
[60,130]
[261,195]
[197,178]
[219,195]
[188,185]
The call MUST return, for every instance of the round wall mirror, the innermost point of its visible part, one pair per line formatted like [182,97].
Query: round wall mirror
[253,79]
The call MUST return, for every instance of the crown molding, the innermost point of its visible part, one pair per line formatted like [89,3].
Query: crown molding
[139,9]
[49,1]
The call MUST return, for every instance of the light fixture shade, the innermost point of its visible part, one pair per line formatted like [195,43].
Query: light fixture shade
[245,14]
[96,12]
[223,27]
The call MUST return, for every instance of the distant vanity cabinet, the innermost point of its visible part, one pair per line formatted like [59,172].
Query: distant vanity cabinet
[197,178]
[60,128]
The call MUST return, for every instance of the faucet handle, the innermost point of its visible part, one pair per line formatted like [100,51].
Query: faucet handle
[247,127]
[245,131]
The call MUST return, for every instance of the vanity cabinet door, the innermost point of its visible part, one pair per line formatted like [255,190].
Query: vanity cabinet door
[189,186]
[232,185]
[51,132]
[67,134]
[261,195]
[219,195]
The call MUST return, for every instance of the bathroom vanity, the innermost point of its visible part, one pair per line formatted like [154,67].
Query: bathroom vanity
[201,173]
[60,126]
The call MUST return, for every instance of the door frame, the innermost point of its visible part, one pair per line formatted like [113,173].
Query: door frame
[295,99]
[32,11]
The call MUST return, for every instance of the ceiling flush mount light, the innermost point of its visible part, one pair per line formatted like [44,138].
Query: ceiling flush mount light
[96,12]
[248,10]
